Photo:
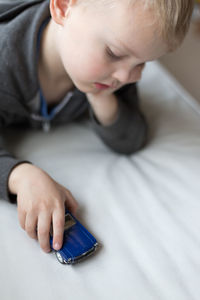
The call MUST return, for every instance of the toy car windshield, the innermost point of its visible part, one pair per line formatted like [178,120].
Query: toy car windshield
[78,242]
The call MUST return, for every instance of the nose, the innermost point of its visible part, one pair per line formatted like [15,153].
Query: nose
[124,75]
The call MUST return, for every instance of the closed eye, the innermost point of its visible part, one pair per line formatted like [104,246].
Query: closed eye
[112,55]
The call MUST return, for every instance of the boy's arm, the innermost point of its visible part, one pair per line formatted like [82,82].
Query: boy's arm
[7,163]
[118,120]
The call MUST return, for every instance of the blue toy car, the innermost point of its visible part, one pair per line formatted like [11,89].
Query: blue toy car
[78,242]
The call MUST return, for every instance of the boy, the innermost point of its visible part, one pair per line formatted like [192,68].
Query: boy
[56,63]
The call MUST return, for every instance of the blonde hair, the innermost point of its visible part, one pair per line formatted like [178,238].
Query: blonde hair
[173,16]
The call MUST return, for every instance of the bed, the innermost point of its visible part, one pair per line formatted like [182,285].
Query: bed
[143,209]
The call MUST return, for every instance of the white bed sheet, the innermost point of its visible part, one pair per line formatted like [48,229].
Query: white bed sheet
[144,209]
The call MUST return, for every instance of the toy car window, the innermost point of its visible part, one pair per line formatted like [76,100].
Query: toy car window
[69,221]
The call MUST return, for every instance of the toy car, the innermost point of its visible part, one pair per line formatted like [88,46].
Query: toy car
[78,242]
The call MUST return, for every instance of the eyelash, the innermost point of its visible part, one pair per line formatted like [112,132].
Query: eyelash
[115,57]
[112,55]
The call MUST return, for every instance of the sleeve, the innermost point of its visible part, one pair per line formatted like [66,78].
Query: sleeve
[129,132]
[7,163]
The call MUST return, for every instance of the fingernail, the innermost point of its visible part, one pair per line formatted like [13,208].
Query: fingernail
[47,250]
[56,246]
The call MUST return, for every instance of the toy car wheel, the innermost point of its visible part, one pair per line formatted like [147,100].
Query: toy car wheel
[60,258]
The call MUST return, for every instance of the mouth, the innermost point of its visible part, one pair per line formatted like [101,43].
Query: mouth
[102,86]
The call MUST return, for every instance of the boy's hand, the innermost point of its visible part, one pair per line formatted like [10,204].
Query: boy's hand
[41,203]
[105,107]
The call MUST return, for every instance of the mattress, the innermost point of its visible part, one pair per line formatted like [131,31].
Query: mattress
[143,209]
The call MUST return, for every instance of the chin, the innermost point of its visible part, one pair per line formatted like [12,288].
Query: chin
[85,88]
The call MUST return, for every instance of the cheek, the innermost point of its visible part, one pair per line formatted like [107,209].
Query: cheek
[92,66]
[83,62]
[95,70]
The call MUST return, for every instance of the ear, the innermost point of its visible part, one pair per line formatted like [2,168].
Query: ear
[59,9]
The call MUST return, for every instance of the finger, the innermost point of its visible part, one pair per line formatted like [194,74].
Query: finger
[71,203]
[58,228]
[31,225]
[44,223]
[22,218]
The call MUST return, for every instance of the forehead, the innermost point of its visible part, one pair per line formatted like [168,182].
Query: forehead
[136,29]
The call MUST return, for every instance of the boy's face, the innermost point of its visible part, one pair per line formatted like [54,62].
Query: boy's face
[108,45]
